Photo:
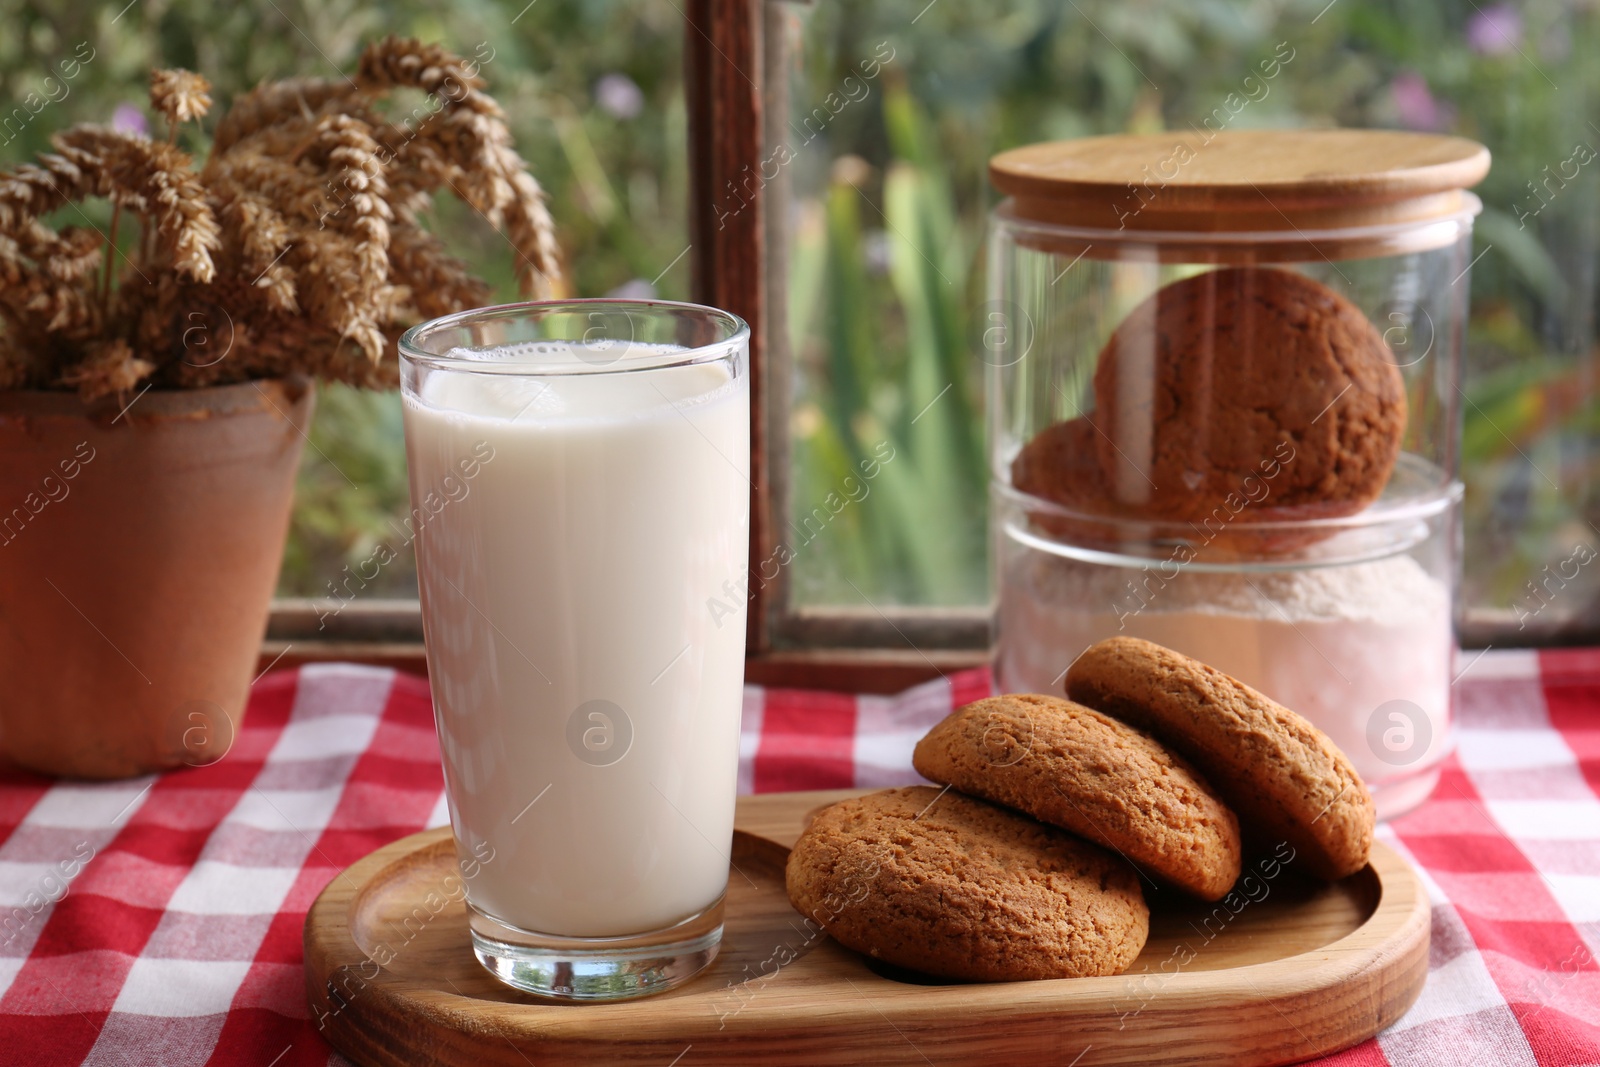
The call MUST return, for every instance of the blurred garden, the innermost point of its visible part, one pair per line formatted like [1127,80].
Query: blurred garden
[885,211]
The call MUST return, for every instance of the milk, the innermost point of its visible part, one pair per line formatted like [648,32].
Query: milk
[587,701]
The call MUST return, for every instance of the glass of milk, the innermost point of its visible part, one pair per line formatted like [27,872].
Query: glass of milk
[580,488]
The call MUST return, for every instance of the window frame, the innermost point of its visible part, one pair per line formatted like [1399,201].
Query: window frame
[740,260]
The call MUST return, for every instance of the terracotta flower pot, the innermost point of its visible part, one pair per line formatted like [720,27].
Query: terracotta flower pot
[138,555]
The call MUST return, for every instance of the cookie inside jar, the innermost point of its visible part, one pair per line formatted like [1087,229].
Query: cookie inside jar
[1245,387]
[1227,419]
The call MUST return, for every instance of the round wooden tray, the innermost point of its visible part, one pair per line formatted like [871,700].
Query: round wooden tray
[1302,970]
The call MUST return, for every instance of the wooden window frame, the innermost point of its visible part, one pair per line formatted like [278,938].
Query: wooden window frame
[739,249]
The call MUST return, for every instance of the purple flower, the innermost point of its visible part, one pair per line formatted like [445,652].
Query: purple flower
[619,96]
[129,119]
[1413,102]
[1494,31]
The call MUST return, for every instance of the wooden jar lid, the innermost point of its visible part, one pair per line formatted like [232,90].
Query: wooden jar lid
[1242,181]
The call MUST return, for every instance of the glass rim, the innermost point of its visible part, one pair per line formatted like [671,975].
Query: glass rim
[411,350]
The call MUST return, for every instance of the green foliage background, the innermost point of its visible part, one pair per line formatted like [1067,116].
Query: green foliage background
[886,221]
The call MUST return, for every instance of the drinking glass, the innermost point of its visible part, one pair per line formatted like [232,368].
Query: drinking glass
[580,496]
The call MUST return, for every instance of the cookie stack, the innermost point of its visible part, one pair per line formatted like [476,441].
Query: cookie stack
[1158,771]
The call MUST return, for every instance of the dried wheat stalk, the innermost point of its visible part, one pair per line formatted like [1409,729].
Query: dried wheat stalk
[180,95]
[466,148]
[296,248]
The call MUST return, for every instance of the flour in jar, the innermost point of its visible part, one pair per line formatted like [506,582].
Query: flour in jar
[1338,644]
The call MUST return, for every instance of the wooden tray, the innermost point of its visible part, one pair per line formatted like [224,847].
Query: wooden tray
[1303,971]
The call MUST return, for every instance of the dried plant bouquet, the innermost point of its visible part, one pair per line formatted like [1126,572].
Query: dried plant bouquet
[295,248]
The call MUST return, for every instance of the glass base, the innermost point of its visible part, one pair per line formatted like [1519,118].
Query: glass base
[597,968]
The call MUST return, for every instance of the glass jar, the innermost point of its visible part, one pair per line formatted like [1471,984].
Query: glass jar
[1224,416]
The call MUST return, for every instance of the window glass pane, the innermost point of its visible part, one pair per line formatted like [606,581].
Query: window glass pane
[885,237]
[885,189]
[593,93]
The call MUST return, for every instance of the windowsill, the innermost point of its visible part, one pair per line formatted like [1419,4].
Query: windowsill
[876,671]
[388,633]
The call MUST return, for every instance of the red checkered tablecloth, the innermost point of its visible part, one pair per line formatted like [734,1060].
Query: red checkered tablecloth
[158,921]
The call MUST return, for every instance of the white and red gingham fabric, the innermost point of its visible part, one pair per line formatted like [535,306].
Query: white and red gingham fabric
[158,921]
